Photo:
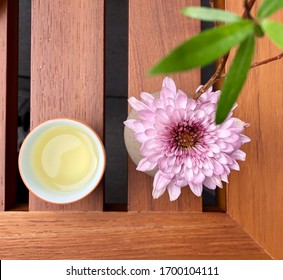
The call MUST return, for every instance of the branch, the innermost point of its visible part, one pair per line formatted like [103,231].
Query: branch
[277,57]
[214,78]
[221,64]
[256,64]
[248,6]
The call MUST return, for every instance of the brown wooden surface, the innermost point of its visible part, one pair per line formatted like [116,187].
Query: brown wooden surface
[67,72]
[255,197]
[86,235]
[155,27]
[8,102]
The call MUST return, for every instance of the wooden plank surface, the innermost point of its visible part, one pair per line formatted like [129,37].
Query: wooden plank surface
[132,235]
[67,72]
[155,27]
[8,102]
[255,197]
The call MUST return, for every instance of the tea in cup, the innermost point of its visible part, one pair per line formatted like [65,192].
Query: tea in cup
[62,160]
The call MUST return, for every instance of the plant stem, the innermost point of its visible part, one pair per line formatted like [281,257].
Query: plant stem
[248,6]
[221,64]
[214,78]
[277,57]
[256,64]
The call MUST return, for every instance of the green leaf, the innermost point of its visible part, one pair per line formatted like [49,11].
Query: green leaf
[258,31]
[235,79]
[204,48]
[274,31]
[208,14]
[269,7]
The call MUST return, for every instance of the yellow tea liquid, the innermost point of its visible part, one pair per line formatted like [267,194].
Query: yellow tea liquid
[64,158]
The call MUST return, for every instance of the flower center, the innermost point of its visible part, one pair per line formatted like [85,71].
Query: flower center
[186,137]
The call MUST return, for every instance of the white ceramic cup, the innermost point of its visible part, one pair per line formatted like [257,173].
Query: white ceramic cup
[32,179]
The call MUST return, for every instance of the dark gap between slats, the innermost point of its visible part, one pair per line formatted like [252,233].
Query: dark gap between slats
[116,92]
[11,106]
[209,196]
[23,90]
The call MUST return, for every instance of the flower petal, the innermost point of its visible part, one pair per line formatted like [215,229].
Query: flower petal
[174,168]
[214,148]
[222,158]
[223,133]
[161,180]
[157,193]
[181,100]
[170,84]
[150,132]
[146,115]
[161,116]
[162,164]
[147,98]
[244,139]
[131,123]
[217,181]
[174,191]
[232,139]
[191,104]
[149,147]
[141,137]
[199,114]
[224,178]
[136,104]
[218,168]
[196,188]
[228,149]
[189,162]
[207,172]
[239,155]
[235,165]
[160,183]
[199,178]
[227,124]
[154,157]
[209,184]
[189,174]
[167,96]
[145,165]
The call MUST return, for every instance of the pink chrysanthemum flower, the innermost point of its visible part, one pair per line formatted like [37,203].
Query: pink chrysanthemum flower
[179,137]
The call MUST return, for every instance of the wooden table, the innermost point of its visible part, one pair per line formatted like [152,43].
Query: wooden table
[67,80]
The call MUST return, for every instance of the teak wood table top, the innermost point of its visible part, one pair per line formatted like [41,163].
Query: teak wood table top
[124,235]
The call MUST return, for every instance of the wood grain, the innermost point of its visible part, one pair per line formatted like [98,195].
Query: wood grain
[156,27]
[8,101]
[132,235]
[67,72]
[255,198]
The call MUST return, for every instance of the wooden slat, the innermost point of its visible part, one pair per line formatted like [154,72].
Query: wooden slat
[155,27]
[132,235]
[67,72]
[255,193]
[8,102]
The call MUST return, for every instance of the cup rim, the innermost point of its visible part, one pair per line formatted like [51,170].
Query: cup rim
[70,120]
